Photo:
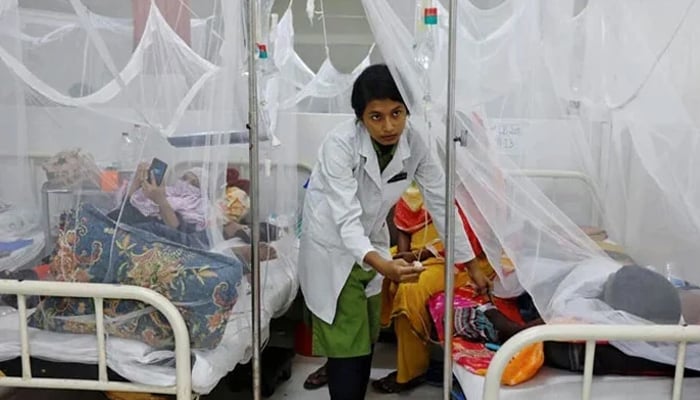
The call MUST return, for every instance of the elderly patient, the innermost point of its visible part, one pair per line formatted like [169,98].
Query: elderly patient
[175,212]
[178,212]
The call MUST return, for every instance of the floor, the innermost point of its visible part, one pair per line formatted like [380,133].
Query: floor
[384,362]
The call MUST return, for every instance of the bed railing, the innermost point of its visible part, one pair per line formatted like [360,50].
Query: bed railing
[98,292]
[557,174]
[590,334]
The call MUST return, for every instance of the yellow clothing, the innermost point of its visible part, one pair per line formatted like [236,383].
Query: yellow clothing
[406,305]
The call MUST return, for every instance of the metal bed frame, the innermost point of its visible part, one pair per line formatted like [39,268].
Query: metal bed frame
[591,333]
[99,292]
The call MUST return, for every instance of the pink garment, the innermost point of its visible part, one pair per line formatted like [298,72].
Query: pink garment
[436,306]
[184,198]
[175,12]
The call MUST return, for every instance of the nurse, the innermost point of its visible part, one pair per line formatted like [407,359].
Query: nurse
[364,165]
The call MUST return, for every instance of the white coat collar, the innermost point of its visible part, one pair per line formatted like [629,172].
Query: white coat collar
[396,165]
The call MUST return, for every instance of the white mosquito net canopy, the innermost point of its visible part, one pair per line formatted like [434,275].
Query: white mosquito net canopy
[581,116]
[89,91]
[324,91]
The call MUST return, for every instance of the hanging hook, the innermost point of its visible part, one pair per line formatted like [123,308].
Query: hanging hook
[322,15]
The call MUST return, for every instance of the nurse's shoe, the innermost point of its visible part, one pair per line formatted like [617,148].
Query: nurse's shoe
[317,379]
[389,385]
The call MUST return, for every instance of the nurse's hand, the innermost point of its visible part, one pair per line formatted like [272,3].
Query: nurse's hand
[401,271]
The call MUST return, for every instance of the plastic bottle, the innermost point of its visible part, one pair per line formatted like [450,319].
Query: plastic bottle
[425,49]
[675,281]
[266,70]
[424,52]
[128,157]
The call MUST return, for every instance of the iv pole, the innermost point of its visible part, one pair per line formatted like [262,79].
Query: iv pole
[450,139]
[254,190]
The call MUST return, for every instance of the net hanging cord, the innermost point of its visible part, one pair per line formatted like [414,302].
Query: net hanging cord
[660,56]
[322,15]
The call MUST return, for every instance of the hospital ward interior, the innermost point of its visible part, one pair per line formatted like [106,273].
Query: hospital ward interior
[156,157]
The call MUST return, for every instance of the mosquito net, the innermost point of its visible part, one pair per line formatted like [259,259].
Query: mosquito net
[124,154]
[574,115]
[324,91]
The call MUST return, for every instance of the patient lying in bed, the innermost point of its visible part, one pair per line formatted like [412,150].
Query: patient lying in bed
[178,212]
[633,289]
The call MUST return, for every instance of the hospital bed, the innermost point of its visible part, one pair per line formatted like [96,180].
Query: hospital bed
[553,384]
[151,370]
[181,371]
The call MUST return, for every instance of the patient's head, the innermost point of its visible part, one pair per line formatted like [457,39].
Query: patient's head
[193,176]
[644,293]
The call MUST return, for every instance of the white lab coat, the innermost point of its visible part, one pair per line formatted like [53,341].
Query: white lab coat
[346,205]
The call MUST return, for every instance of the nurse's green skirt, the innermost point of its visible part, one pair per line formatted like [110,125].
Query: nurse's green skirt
[356,325]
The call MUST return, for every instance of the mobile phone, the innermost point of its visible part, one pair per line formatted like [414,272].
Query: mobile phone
[158,168]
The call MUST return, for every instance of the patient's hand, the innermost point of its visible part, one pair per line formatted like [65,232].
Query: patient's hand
[265,251]
[153,190]
[137,179]
[231,228]
[408,256]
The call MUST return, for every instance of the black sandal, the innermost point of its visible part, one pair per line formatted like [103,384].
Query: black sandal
[388,384]
[317,379]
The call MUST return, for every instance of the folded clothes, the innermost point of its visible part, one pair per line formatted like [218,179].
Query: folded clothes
[471,323]
[15,245]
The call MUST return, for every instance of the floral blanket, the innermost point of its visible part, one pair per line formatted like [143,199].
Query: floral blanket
[203,286]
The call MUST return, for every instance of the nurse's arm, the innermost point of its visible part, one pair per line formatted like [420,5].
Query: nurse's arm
[340,187]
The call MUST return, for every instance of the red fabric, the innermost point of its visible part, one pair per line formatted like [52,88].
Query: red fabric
[303,340]
[410,221]
[473,240]
[233,179]
[176,13]
[42,271]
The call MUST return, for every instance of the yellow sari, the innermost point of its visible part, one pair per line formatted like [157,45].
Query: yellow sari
[406,304]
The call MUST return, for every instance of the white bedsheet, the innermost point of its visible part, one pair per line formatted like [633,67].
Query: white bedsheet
[551,384]
[139,363]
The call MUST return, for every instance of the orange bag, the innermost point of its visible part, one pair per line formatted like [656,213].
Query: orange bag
[525,365]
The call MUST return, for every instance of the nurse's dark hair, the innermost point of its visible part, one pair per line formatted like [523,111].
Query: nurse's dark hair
[374,83]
